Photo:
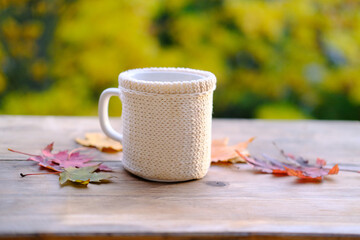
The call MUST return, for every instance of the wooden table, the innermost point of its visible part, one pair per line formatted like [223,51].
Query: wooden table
[230,202]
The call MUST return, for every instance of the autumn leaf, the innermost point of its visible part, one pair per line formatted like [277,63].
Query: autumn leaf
[63,159]
[42,160]
[309,171]
[100,141]
[294,166]
[221,152]
[83,175]
[306,170]
[268,165]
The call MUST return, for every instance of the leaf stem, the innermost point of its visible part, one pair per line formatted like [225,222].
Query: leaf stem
[28,154]
[29,174]
[346,170]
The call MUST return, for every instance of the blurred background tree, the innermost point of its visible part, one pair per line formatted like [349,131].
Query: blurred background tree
[273,58]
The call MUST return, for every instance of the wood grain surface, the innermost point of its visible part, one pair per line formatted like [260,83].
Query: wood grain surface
[230,202]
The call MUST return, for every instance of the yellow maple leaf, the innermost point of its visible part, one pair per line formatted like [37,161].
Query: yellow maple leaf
[100,141]
[221,152]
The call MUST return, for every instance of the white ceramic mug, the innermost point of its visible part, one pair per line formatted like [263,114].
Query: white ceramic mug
[166,122]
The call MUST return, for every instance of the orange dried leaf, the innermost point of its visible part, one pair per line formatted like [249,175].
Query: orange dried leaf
[100,141]
[300,174]
[221,152]
[334,170]
[278,171]
[294,166]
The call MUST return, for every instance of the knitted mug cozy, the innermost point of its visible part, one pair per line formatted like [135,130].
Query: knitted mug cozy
[167,122]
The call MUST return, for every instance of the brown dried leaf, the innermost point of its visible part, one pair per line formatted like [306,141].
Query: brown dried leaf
[100,141]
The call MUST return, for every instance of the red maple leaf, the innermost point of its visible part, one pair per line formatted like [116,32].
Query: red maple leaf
[63,159]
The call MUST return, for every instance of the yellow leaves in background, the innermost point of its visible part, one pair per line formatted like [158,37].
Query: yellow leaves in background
[40,8]
[2,82]
[258,18]
[32,30]
[189,30]
[21,37]
[302,51]
[11,29]
[63,98]
[103,39]
[344,80]
[16,3]
[39,69]
[100,141]
[281,110]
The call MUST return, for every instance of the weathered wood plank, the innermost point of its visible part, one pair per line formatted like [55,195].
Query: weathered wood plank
[336,141]
[230,201]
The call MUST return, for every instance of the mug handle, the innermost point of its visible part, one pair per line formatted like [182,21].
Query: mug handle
[104,113]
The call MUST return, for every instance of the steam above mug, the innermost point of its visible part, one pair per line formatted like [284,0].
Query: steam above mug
[166,117]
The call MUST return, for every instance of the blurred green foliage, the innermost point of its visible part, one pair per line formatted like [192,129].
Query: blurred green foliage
[273,59]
